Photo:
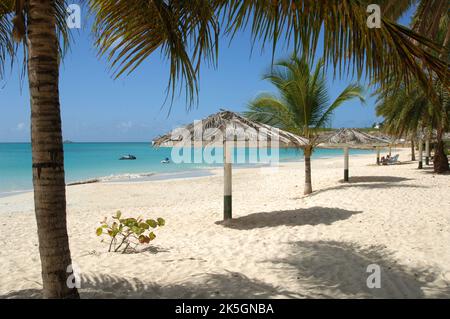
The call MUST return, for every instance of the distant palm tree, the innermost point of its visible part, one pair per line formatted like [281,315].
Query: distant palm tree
[409,113]
[302,104]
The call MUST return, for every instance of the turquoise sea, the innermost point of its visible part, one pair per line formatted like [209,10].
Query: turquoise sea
[85,161]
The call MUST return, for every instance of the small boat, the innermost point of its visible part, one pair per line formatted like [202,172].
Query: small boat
[128,157]
[165,161]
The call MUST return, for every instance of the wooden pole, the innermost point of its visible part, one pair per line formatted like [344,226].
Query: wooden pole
[227,174]
[346,164]
[427,152]
[420,154]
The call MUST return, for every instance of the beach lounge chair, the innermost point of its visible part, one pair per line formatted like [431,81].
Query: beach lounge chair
[393,160]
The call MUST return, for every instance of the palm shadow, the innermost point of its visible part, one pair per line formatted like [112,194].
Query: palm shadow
[376,179]
[430,171]
[371,182]
[340,270]
[225,285]
[297,217]
[149,249]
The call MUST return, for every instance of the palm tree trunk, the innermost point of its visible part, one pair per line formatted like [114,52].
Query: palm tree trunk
[308,183]
[47,150]
[413,150]
[420,166]
[440,162]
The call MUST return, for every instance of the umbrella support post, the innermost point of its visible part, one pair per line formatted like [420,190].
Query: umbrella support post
[427,152]
[420,154]
[346,177]
[227,174]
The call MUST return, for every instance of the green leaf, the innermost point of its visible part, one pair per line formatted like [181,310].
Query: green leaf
[137,230]
[118,214]
[99,231]
[151,236]
[142,239]
[144,225]
[152,223]
[161,221]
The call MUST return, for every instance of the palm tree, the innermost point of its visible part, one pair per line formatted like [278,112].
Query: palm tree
[409,113]
[409,109]
[302,105]
[36,24]
[437,27]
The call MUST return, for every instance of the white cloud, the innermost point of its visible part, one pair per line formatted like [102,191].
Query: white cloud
[20,127]
[125,126]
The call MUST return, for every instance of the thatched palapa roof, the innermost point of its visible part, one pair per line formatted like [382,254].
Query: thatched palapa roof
[225,124]
[351,138]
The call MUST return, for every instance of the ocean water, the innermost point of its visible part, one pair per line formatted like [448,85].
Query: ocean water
[85,161]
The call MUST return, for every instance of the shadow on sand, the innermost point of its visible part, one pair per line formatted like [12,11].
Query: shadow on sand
[319,269]
[375,179]
[370,182]
[298,217]
[338,269]
[227,285]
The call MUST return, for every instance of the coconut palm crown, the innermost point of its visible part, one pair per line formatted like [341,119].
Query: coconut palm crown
[302,105]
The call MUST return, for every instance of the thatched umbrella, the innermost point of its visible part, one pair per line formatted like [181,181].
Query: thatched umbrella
[225,129]
[350,138]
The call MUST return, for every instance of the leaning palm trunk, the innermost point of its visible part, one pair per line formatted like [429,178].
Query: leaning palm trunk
[308,183]
[47,150]
[440,162]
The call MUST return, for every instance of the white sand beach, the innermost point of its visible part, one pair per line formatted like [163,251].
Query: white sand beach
[281,244]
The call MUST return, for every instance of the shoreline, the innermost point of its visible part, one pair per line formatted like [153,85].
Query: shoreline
[176,174]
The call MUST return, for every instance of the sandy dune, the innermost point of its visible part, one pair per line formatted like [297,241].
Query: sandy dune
[280,244]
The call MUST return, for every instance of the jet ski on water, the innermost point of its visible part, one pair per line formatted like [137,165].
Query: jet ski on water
[127,157]
[165,161]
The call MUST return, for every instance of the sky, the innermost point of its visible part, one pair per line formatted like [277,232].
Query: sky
[97,108]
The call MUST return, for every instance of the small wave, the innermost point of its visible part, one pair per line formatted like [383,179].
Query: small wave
[112,178]
[17,192]
[121,177]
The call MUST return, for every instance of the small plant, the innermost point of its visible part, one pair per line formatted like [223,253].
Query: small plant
[128,233]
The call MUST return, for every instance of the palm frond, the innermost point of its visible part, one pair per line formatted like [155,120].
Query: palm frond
[6,27]
[185,32]
[349,45]
[13,14]
[350,92]
[268,109]
[302,103]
